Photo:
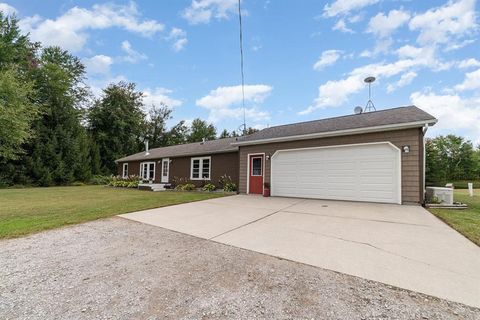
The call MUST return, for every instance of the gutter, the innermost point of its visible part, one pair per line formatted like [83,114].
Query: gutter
[345,132]
[153,157]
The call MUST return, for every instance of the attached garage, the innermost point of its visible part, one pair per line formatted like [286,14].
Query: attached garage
[360,172]
[373,157]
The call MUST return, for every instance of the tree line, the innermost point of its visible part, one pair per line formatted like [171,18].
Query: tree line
[53,131]
[451,158]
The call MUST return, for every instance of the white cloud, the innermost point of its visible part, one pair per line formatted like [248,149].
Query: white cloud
[132,55]
[327,58]
[70,29]
[7,9]
[439,25]
[202,11]
[382,46]
[383,25]
[452,111]
[99,64]
[178,37]
[334,93]
[469,63]
[343,7]
[404,80]
[342,26]
[225,102]
[471,81]
[158,96]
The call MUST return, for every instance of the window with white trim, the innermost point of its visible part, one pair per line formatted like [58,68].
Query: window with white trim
[147,171]
[200,168]
[125,170]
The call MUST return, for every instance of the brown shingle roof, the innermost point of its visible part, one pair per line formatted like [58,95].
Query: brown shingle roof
[188,149]
[355,121]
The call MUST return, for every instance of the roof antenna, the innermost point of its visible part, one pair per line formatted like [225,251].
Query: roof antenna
[244,125]
[369,106]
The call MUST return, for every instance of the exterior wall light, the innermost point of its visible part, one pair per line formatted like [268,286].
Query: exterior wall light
[267,157]
[406,149]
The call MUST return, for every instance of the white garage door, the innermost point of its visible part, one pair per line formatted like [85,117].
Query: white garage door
[363,172]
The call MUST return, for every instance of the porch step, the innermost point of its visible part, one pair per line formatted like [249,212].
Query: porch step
[152,186]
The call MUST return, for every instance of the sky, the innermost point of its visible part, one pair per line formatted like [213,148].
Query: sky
[303,60]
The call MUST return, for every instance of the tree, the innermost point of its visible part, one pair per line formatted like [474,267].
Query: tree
[156,125]
[59,152]
[251,130]
[17,112]
[225,134]
[177,134]
[200,130]
[15,48]
[116,124]
[449,158]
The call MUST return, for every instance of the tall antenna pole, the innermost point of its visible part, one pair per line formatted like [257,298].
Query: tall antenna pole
[370,106]
[241,67]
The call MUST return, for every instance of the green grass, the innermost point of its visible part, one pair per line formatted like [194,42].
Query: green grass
[467,221]
[29,210]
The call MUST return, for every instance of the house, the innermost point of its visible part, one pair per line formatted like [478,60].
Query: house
[374,156]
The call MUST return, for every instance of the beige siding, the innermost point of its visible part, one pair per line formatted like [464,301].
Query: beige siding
[412,163]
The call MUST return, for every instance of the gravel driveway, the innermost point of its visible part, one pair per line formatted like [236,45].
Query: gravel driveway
[120,269]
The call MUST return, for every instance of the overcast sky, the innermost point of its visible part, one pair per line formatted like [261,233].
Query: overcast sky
[304,59]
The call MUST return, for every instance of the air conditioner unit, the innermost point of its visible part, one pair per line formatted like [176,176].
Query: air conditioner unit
[444,195]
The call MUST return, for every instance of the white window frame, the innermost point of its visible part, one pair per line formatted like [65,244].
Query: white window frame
[148,165]
[125,166]
[201,168]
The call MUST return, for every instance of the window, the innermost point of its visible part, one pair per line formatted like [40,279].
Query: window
[257,166]
[147,170]
[125,170]
[200,168]
[165,168]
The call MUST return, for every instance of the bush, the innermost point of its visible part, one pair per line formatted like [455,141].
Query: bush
[101,180]
[230,187]
[188,187]
[128,182]
[209,187]
[227,184]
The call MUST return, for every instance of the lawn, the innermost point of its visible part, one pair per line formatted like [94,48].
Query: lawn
[467,221]
[29,210]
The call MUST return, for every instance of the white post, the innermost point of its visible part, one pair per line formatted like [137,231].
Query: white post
[470,189]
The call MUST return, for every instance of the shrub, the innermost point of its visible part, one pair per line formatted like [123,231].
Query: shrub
[179,187]
[101,180]
[188,187]
[177,181]
[227,184]
[230,187]
[209,187]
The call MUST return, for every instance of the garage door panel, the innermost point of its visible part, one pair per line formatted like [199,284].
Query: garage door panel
[369,172]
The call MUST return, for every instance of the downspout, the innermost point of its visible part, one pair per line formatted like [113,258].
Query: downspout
[424,130]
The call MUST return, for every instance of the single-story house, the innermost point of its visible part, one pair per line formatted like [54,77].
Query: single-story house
[373,156]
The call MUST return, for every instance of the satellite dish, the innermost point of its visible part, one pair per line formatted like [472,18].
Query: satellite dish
[358,110]
[369,79]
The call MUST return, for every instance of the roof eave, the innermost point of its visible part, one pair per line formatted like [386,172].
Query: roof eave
[152,157]
[389,127]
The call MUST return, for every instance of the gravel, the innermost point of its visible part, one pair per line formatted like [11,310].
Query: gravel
[120,269]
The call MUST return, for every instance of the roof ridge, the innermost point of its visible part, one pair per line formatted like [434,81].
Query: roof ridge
[336,117]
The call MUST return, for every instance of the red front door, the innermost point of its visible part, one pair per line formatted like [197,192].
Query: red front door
[256,174]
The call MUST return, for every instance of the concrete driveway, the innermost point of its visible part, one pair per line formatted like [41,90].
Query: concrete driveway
[404,246]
